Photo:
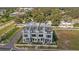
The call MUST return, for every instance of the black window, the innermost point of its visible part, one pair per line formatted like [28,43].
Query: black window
[34,35]
[41,35]
[40,28]
[48,29]
[27,38]
[41,39]
[48,36]
[32,39]
[25,31]
[33,28]
[38,39]
[27,28]
[25,35]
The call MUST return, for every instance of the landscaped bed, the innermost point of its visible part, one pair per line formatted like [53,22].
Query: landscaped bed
[33,46]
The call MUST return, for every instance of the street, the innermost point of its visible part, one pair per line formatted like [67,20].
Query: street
[13,41]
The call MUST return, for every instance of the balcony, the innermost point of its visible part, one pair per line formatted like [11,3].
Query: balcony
[40,29]
[40,35]
[48,36]
[48,29]
[25,31]
[32,31]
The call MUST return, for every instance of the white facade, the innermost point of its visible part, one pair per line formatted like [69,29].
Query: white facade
[66,24]
[37,33]
[16,14]
[2,11]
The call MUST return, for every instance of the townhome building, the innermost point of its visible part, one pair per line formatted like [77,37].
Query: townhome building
[40,33]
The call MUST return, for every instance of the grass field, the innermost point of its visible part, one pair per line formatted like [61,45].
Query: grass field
[3,21]
[9,35]
[6,29]
[76,25]
[68,40]
[7,32]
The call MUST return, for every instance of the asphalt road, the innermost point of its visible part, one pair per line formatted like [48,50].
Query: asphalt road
[13,40]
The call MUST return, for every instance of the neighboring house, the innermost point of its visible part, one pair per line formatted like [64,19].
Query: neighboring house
[20,25]
[20,11]
[13,14]
[37,33]
[16,14]
[75,21]
[2,11]
[25,9]
[66,24]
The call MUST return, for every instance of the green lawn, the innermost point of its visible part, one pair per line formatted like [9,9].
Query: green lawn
[3,21]
[76,25]
[7,32]
[6,29]
[72,38]
[9,35]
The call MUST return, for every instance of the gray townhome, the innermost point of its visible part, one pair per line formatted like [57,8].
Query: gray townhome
[40,33]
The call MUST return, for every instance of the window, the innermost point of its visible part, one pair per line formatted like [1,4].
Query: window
[33,39]
[27,28]
[24,40]
[48,29]
[48,36]
[40,28]
[27,38]
[38,39]
[41,39]
[34,35]
[25,35]
[46,40]
[25,31]
[41,35]
[33,28]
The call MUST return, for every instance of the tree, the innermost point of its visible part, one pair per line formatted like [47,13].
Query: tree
[7,13]
[46,14]
[73,12]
